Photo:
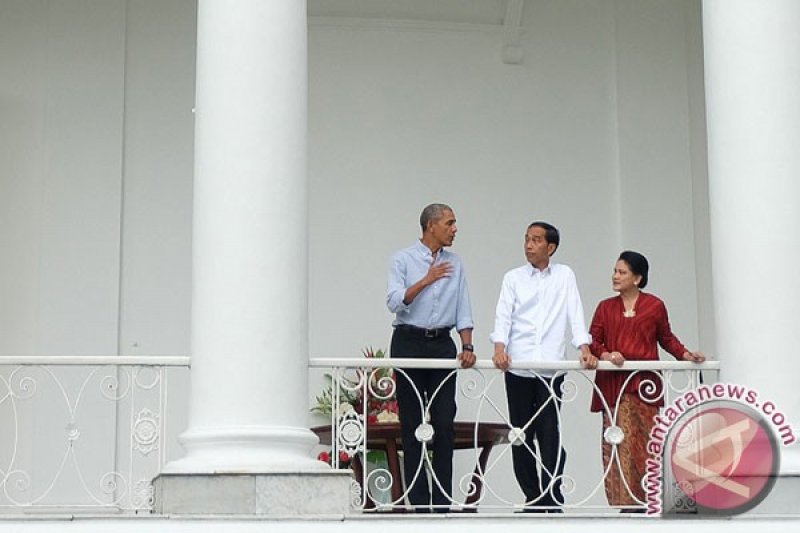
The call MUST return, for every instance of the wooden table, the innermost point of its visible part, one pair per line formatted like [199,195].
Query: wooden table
[387,437]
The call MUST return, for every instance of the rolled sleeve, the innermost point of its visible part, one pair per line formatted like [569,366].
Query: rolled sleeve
[396,287]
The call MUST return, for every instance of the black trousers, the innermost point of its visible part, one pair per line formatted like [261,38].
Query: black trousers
[526,396]
[416,389]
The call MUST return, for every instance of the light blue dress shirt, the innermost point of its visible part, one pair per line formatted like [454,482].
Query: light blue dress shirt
[443,304]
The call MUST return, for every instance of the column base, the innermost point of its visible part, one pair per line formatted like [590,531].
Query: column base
[268,494]
[790,460]
[247,450]
[782,500]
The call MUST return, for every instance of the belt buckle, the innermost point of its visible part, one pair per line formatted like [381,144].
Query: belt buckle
[431,333]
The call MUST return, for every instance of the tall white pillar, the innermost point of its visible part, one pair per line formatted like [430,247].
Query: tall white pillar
[249,404]
[752,62]
[248,448]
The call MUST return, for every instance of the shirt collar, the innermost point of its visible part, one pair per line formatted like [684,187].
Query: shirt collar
[424,251]
[533,271]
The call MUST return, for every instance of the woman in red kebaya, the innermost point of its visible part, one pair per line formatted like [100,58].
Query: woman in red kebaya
[629,327]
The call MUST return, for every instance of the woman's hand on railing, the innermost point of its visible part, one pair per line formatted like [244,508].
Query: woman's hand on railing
[613,357]
[695,357]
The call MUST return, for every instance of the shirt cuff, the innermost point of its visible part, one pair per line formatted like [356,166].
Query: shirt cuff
[464,324]
[580,341]
[495,337]
[397,305]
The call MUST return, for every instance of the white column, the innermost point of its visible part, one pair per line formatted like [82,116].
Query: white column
[249,403]
[752,62]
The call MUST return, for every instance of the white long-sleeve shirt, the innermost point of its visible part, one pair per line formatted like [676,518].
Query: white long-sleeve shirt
[535,312]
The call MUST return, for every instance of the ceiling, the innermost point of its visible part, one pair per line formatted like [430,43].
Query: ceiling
[491,12]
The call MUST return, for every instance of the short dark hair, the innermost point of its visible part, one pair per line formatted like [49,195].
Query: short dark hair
[432,213]
[551,234]
[638,265]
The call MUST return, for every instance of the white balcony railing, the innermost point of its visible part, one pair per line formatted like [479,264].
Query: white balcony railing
[85,433]
[363,433]
[90,433]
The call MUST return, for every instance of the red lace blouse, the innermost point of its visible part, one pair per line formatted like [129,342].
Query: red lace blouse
[637,339]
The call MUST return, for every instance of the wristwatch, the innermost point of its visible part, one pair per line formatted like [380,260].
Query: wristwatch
[467,348]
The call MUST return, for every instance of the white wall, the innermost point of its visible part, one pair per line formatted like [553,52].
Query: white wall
[157,209]
[95,198]
[61,145]
[402,118]
[96,152]
[597,132]
[661,186]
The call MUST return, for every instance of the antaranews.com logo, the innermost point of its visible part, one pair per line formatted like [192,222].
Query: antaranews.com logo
[719,446]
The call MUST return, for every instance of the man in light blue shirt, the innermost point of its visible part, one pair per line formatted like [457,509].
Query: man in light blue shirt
[427,291]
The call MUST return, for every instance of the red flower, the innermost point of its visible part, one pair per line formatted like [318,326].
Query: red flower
[325,457]
[343,457]
[372,419]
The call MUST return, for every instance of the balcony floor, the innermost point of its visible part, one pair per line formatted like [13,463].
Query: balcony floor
[399,523]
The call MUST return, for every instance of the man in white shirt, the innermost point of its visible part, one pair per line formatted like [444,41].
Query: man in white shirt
[539,304]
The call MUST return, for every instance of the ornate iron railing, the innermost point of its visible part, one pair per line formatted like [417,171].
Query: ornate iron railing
[90,433]
[364,435]
[109,438]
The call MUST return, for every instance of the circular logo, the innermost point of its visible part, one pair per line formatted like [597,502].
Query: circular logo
[725,458]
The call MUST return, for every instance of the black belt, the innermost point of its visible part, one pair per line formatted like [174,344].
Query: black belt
[427,333]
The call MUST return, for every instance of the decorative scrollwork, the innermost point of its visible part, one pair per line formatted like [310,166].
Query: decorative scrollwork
[351,380]
[568,484]
[22,387]
[470,386]
[141,373]
[380,386]
[143,495]
[145,432]
[569,390]
[113,388]
[350,434]
[470,485]
[72,432]
[17,483]
[114,483]
[379,485]
[649,390]
[680,382]
[355,494]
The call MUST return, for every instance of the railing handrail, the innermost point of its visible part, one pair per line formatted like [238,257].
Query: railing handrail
[350,362]
[371,362]
[96,360]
